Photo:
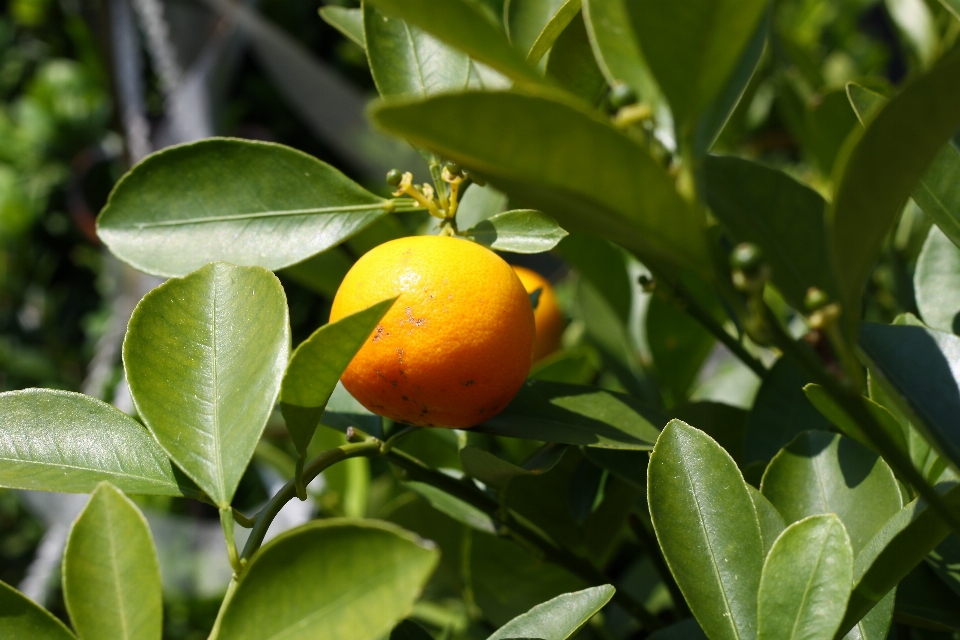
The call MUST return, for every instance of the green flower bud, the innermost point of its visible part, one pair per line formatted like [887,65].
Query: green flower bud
[621,95]
[394,176]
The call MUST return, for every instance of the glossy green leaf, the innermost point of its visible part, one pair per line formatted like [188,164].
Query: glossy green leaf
[937,282]
[923,367]
[111,577]
[780,412]
[533,25]
[771,522]
[806,581]
[21,618]
[821,472]
[724,423]
[409,630]
[579,415]
[765,206]
[902,543]
[694,47]
[708,530]
[518,231]
[454,507]
[617,49]
[835,414]
[247,203]
[464,25]
[62,441]
[497,472]
[347,21]
[405,60]
[316,366]
[880,167]
[938,192]
[572,64]
[923,602]
[204,357]
[600,181]
[295,588]
[559,618]
[479,203]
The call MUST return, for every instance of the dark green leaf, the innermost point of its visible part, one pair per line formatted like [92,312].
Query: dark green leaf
[937,282]
[783,217]
[919,364]
[246,202]
[585,492]
[945,560]
[835,414]
[708,530]
[574,414]
[604,265]
[204,357]
[533,25]
[572,64]
[771,522]
[111,577]
[497,472]
[404,60]
[454,507]
[316,366]
[923,602]
[347,21]
[600,181]
[61,441]
[902,543]
[462,24]
[409,630]
[694,47]
[559,618]
[821,472]
[806,581]
[679,345]
[519,231]
[684,630]
[296,589]
[479,203]
[20,618]
[780,412]
[629,465]
[722,422]
[880,167]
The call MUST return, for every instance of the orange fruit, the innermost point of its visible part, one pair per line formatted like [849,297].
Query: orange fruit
[548,318]
[455,347]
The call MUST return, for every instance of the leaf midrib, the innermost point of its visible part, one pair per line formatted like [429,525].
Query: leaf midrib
[217,441]
[119,474]
[806,591]
[279,213]
[116,573]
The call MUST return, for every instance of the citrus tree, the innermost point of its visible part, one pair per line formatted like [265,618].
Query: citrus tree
[823,507]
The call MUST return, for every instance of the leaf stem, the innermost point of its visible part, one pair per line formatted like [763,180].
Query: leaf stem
[226,522]
[298,482]
[242,520]
[227,597]
[553,553]
[265,516]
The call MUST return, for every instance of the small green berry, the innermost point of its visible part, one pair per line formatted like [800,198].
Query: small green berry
[621,95]
[815,299]
[394,177]
[453,168]
[746,257]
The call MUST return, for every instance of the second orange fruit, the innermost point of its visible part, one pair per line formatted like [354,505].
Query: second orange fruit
[455,347]
[548,317]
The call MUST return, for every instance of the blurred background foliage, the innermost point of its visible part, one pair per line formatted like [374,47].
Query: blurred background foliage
[88,86]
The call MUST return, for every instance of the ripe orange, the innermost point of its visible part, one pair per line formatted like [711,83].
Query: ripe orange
[548,317]
[455,347]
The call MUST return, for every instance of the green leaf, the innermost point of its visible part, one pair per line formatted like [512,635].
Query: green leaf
[923,602]
[604,265]
[600,180]
[519,231]
[497,472]
[579,415]
[454,507]
[20,618]
[724,423]
[783,217]
[111,577]
[572,64]
[684,630]
[821,472]
[617,50]
[694,47]
[316,366]
[920,365]
[246,202]
[806,581]
[879,168]
[204,357]
[780,412]
[953,6]
[62,441]
[771,522]
[707,528]
[679,345]
[462,24]
[937,282]
[533,25]
[559,618]
[405,60]
[409,630]
[902,543]
[479,203]
[938,193]
[295,588]
[347,21]
[835,414]
[945,560]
